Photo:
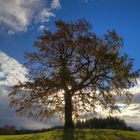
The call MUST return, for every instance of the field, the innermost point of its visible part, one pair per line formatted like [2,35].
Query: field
[83,134]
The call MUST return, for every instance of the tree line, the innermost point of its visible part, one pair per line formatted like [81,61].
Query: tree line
[8,130]
[103,123]
[92,123]
[12,130]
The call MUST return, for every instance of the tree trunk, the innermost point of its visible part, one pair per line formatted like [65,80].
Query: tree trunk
[68,111]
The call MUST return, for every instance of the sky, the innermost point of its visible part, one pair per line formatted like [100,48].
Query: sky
[21,21]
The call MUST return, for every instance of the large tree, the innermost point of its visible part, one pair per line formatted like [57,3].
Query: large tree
[73,70]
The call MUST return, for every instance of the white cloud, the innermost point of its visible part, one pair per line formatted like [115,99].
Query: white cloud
[10,32]
[55,4]
[11,71]
[42,28]
[44,15]
[17,15]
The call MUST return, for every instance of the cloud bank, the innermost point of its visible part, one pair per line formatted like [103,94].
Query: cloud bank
[18,15]
[11,71]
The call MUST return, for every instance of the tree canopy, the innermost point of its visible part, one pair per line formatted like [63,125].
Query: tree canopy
[73,70]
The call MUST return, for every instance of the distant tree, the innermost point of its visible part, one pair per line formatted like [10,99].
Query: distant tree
[8,130]
[102,123]
[73,70]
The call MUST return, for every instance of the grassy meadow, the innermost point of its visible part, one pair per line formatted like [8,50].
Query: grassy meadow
[78,134]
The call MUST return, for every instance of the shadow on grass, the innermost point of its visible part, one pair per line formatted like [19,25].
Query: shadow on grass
[98,134]
[56,135]
[124,137]
[33,137]
[68,134]
[74,134]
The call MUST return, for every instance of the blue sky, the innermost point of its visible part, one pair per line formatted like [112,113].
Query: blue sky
[121,15]
[22,21]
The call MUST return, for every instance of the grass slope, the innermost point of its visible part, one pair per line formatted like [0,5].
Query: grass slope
[83,134]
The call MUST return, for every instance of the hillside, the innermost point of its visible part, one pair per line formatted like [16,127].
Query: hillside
[83,134]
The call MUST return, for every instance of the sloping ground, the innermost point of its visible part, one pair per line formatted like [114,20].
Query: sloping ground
[83,134]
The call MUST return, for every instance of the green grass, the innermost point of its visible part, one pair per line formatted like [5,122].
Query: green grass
[83,134]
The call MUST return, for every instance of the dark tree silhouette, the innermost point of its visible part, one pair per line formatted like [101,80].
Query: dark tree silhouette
[103,123]
[73,70]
